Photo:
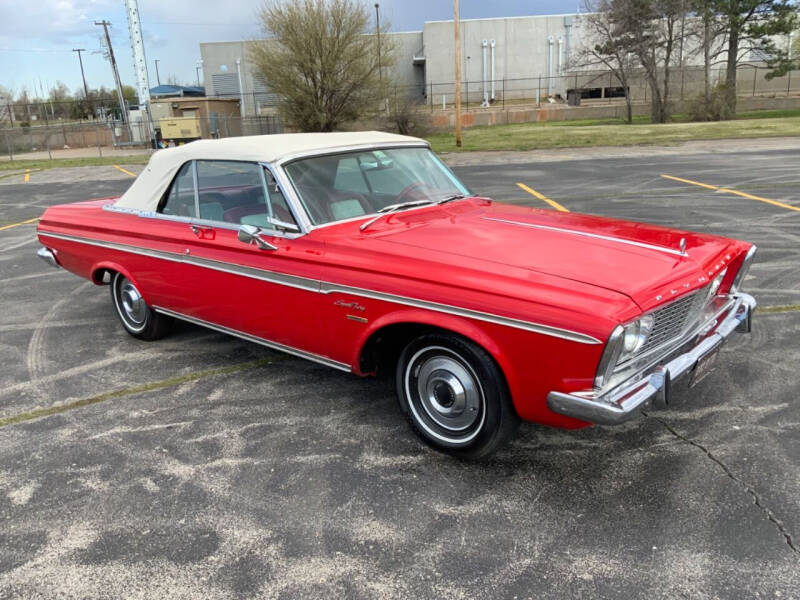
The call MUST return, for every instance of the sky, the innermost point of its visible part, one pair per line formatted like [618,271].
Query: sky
[37,36]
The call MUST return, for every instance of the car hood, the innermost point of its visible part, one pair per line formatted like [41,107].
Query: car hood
[639,260]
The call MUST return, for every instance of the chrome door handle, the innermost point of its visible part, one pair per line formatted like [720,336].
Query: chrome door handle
[204,233]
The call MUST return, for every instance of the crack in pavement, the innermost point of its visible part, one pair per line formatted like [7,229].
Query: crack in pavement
[757,499]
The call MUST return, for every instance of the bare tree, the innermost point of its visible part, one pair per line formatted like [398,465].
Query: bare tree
[754,25]
[322,61]
[653,32]
[606,46]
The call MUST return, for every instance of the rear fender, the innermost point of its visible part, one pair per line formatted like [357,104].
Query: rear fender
[101,267]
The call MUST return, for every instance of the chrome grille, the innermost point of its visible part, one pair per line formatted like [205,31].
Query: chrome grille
[672,320]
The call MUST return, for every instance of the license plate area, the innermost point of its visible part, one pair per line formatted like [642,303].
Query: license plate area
[704,367]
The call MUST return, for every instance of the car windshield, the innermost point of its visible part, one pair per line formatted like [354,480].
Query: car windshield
[355,184]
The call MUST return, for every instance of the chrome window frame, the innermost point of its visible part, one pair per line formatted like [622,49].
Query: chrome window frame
[156,214]
[290,191]
[196,190]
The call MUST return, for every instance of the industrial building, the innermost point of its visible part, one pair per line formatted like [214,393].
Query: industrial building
[530,59]
[517,51]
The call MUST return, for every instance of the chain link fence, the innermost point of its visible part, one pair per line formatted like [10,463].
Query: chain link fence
[57,139]
[54,132]
[596,87]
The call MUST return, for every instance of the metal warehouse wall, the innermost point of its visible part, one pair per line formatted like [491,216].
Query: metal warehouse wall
[521,47]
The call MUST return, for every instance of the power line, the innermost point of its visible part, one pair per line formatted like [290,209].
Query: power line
[30,50]
[198,24]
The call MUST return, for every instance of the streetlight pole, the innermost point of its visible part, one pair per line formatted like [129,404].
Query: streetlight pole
[80,60]
[378,31]
[458,72]
[158,79]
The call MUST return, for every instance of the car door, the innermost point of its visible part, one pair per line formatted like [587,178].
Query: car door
[267,288]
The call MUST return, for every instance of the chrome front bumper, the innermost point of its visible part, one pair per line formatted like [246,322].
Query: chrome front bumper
[625,401]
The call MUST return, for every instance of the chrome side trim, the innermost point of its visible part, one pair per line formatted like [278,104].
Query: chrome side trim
[328,362]
[322,287]
[597,236]
[328,288]
[294,281]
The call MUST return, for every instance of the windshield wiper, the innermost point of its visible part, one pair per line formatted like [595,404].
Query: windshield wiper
[450,198]
[394,208]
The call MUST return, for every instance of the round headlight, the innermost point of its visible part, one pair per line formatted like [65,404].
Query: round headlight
[636,334]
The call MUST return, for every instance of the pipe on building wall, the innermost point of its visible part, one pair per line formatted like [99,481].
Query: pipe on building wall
[560,54]
[492,45]
[567,34]
[241,88]
[550,65]
[484,49]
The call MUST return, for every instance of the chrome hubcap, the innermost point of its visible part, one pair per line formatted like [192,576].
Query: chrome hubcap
[133,306]
[449,393]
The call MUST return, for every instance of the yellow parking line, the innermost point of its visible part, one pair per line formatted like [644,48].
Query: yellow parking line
[118,168]
[542,197]
[20,223]
[736,192]
[690,182]
[27,175]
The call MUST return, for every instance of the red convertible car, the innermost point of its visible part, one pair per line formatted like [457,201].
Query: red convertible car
[364,252]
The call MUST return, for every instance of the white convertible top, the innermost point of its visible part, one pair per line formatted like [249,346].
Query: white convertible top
[151,184]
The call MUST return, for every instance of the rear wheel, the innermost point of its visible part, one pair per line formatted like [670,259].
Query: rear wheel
[455,396]
[139,319]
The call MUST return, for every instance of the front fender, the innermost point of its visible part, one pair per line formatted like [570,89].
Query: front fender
[469,329]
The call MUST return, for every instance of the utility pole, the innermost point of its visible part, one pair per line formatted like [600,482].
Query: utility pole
[378,31]
[120,97]
[158,77]
[458,73]
[80,60]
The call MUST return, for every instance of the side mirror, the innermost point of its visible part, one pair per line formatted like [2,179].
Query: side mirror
[250,234]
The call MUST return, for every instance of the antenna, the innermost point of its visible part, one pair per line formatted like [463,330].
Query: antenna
[137,47]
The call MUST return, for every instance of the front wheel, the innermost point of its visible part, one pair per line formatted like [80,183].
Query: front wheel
[139,319]
[455,396]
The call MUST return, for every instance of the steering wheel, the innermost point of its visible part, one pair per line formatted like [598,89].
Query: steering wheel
[409,192]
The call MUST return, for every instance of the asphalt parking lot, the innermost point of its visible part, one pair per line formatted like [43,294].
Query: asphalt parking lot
[202,466]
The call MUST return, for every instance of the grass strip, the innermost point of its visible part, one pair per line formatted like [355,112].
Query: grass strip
[582,134]
[38,413]
[778,309]
[89,161]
